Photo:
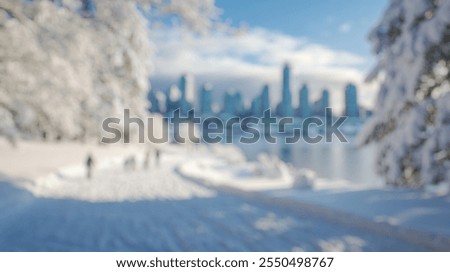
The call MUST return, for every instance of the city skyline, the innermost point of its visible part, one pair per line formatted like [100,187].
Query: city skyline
[232,102]
[329,52]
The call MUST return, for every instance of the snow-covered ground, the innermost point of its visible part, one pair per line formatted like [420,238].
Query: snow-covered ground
[424,216]
[31,160]
[426,210]
[398,207]
[222,223]
[202,199]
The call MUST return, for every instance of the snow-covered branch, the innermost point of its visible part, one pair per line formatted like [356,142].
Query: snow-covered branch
[411,122]
[66,65]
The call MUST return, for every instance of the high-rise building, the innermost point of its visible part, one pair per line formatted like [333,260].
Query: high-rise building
[233,104]
[304,110]
[265,100]
[256,106]
[239,108]
[206,100]
[321,104]
[186,103]
[325,99]
[261,103]
[285,109]
[228,105]
[351,101]
[183,83]
[173,99]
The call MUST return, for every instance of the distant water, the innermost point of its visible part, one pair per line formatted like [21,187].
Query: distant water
[329,160]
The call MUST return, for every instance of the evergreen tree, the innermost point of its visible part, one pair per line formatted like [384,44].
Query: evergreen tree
[412,115]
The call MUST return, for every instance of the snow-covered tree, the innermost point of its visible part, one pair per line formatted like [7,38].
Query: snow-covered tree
[66,65]
[412,114]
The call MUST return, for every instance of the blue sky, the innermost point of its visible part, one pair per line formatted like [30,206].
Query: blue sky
[324,41]
[341,25]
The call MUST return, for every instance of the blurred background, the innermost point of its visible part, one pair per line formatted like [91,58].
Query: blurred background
[67,65]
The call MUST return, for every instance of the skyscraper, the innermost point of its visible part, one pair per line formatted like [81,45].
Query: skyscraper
[265,101]
[186,103]
[261,102]
[183,84]
[206,100]
[256,107]
[325,100]
[285,107]
[238,104]
[173,99]
[228,104]
[321,104]
[304,110]
[233,104]
[351,101]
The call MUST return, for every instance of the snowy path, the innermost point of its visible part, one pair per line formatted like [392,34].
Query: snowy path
[417,217]
[210,224]
[159,210]
[179,215]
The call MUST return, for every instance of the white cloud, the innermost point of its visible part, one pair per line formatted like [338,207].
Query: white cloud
[345,27]
[247,61]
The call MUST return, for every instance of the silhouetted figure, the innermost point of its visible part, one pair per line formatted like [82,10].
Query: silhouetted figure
[130,163]
[157,157]
[89,166]
[146,159]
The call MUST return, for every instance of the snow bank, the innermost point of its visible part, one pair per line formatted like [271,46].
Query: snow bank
[118,185]
[226,166]
[56,170]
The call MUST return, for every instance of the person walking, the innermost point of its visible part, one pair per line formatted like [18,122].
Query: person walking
[89,166]
[157,157]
